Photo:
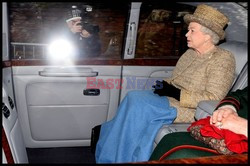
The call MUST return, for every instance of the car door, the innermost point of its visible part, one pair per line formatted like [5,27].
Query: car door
[13,146]
[60,99]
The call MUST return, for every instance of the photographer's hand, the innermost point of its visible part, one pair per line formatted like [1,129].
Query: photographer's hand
[85,33]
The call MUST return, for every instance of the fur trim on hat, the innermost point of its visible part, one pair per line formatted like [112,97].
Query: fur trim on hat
[74,18]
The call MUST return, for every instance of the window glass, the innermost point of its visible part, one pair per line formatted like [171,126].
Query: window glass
[161,30]
[39,30]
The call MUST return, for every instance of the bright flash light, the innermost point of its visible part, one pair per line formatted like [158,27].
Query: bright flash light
[60,49]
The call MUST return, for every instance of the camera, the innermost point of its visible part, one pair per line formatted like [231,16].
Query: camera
[90,27]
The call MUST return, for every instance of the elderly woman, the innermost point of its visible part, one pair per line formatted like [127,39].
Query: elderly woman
[204,72]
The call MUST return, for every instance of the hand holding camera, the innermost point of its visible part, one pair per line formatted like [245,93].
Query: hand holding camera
[75,26]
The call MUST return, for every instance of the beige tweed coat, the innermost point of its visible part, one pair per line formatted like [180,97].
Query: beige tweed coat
[201,77]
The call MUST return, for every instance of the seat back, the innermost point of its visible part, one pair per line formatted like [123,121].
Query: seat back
[242,79]
[239,50]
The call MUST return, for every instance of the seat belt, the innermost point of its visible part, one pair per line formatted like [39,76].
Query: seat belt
[6,148]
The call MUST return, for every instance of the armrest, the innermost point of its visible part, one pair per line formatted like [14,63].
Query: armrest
[205,108]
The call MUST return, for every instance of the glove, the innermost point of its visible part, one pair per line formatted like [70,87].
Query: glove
[160,88]
[174,92]
[165,89]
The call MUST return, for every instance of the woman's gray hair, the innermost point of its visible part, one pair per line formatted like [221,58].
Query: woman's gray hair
[214,36]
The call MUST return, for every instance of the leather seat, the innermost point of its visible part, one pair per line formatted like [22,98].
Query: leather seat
[205,108]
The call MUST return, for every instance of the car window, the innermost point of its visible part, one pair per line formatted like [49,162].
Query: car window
[35,27]
[161,30]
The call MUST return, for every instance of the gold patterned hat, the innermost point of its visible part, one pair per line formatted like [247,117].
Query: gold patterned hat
[210,18]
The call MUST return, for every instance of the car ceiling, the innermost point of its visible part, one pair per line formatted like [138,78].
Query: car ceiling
[238,16]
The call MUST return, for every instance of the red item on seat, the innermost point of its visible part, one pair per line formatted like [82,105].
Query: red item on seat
[235,142]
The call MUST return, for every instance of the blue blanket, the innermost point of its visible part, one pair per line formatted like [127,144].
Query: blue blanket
[129,136]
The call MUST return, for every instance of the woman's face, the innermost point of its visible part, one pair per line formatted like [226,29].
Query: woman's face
[195,38]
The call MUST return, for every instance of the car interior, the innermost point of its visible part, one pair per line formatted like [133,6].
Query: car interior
[52,100]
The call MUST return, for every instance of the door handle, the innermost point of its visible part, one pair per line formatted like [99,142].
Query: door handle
[68,72]
[91,92]
[65,74]
[131,38]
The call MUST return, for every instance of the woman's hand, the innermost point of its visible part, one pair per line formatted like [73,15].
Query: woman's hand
[160,88]
[221,113]
[227,118]
[235,124]
[163,88]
